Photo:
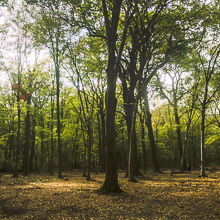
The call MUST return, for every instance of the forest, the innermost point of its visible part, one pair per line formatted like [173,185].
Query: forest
[109,96]
[109,87]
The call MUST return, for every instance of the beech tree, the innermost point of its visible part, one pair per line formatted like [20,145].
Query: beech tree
[111,15]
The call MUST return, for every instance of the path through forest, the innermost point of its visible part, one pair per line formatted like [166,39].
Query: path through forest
[181,196]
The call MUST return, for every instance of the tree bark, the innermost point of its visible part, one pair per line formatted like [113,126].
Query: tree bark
[111,177]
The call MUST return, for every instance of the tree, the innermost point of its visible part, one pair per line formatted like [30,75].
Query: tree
[208,69]
[111,15]
[48,30]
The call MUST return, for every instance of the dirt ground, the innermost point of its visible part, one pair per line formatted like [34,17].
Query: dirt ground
[181,196]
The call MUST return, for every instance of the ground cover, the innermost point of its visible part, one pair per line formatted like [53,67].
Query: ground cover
[180,196]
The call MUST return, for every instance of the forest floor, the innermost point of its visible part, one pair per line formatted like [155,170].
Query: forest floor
[162,196]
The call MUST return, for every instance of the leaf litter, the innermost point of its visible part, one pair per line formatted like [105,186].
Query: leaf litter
[41,196]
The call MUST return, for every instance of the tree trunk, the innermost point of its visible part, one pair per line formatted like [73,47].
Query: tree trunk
[84,161]
[155,165]
[203,140]
[60,164]
[132,160]
[27,138]
[76,157]
[204,103]
[179,140]
[51,154]
[15,172]
[111,176]
[31,167]
[42,150]
[12,144]
[103,147]
[143,142]
[130,155]
[89,153]
[51,132]
[100,140]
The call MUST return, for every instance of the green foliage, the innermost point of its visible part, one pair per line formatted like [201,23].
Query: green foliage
[177,40]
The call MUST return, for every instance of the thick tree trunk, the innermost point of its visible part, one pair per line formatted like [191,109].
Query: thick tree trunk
[155,165]
[111,177]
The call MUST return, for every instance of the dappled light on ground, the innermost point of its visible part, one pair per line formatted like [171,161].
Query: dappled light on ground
[181,196]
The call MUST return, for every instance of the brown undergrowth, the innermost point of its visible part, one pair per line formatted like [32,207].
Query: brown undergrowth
[181,196]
